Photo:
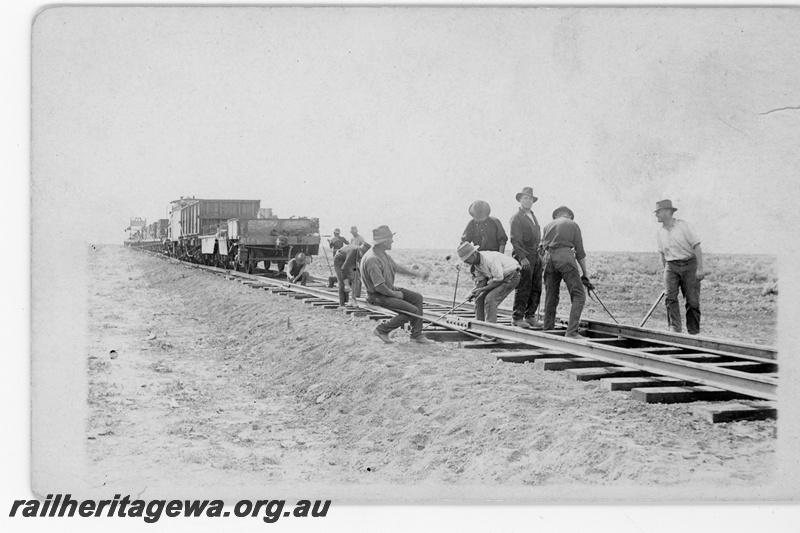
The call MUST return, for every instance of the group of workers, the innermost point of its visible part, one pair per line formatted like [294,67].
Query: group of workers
[553,254]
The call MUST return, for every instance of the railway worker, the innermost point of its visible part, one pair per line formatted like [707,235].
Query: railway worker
[563,246]
[296,269]
[525,238]
[377,272]
[484,231]
[345,263]
[337,241]
[682,259]
[496,276]
[356,239]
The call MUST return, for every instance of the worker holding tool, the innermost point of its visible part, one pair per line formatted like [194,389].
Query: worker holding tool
[296,269]
[483,230]
[525,238]
[682,258]
[345,263]
[563,246]
[377,272]
[337,241]
[496,275]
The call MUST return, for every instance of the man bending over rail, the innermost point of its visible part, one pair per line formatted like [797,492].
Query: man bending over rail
[345,264]
[377,272]
[496,275]
[296,269]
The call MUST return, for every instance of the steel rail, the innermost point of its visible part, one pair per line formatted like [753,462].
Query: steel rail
[746,351]
[755,385]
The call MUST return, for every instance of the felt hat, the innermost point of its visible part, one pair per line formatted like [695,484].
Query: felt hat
[563,209]
[381,234]
[354,230]
[465,250]
[300,258]
[337,231]
[665,204]
[479,210]
[528,191]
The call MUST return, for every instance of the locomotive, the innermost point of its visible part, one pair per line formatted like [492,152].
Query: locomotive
[234,234]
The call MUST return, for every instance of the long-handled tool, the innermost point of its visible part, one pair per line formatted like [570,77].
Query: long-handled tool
[332,278]
[458,273]
[590,290]
[653,308]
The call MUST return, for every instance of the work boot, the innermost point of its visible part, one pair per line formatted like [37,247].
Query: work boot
[382,336]
[520,323]
[674,329]
[422,339]
[534,322]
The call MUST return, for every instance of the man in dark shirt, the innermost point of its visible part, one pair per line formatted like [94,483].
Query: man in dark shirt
[563,245]
[525,237]
[377,271]
[337,241]
[345,264]
[297,269]
[484,231]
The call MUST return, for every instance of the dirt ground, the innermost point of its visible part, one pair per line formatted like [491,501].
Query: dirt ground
[215,380]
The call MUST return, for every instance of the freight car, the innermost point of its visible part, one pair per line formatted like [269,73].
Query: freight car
[193,219]
[236,234]
[250,241]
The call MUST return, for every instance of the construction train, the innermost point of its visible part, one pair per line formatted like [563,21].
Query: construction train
[234,234]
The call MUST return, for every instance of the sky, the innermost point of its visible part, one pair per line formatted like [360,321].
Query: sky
[403,116]
[398,117]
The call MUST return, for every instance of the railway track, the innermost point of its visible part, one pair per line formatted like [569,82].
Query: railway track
[739,380]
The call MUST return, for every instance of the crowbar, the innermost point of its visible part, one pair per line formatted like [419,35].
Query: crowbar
[650,312]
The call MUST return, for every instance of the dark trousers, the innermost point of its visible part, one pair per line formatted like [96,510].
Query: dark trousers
[560,264]
[682,275]
[411,302]
[529,290]
[355,286]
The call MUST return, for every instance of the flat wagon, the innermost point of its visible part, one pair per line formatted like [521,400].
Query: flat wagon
[252,240]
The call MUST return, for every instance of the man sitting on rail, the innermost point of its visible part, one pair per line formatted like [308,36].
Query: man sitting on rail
[296,269]
[345,263]
[563,246]
[496,275]
[377,272]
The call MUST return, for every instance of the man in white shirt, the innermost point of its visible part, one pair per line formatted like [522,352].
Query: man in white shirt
[496,276]
[682,258]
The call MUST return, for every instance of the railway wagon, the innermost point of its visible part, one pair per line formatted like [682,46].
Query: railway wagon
[191,219]
[252,240]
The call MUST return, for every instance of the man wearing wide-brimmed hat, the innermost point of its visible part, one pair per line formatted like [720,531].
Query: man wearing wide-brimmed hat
[377,272]
[496,275]
[356,239]
[525,238]
[337,241]
[682,258]
[483,230]
[296,269]
[563,245]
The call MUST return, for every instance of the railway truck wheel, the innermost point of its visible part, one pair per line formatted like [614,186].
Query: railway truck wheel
[266,265]
[248,267]
[281,265]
